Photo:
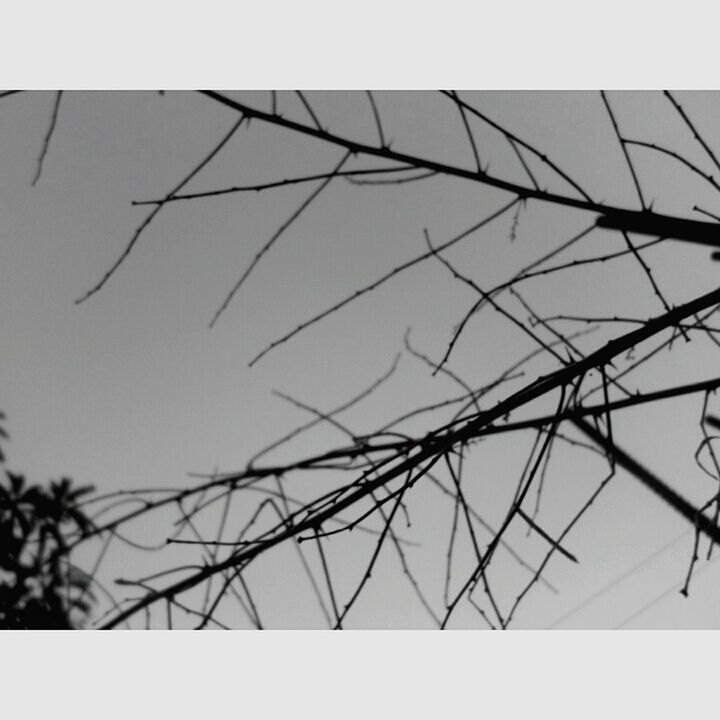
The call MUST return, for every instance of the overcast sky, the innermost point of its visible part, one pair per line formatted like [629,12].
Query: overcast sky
[131,389]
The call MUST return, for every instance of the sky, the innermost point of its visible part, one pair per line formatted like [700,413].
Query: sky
[132,389]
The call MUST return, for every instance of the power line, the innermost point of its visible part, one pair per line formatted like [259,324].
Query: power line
[620,578]
[661,596]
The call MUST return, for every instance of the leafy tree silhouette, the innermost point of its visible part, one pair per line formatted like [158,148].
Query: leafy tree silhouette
[39,587]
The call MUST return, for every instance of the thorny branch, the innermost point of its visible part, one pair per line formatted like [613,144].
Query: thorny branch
[373,480]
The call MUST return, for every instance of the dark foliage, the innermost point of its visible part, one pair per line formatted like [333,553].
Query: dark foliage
[39,587]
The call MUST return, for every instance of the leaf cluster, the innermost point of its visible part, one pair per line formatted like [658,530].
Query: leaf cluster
[39,587]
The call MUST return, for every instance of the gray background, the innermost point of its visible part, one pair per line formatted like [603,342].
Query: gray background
[131,389]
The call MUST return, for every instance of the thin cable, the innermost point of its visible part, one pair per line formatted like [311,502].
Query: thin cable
[619,579]
[662,596]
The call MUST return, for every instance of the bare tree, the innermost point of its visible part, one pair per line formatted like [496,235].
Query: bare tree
[602,331]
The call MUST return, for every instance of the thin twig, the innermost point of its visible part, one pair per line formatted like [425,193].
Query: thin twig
[275,236]
[146,222]
[48,137]
[695,133]
[376,115]
[380,281]
[621,140]
[454,95]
